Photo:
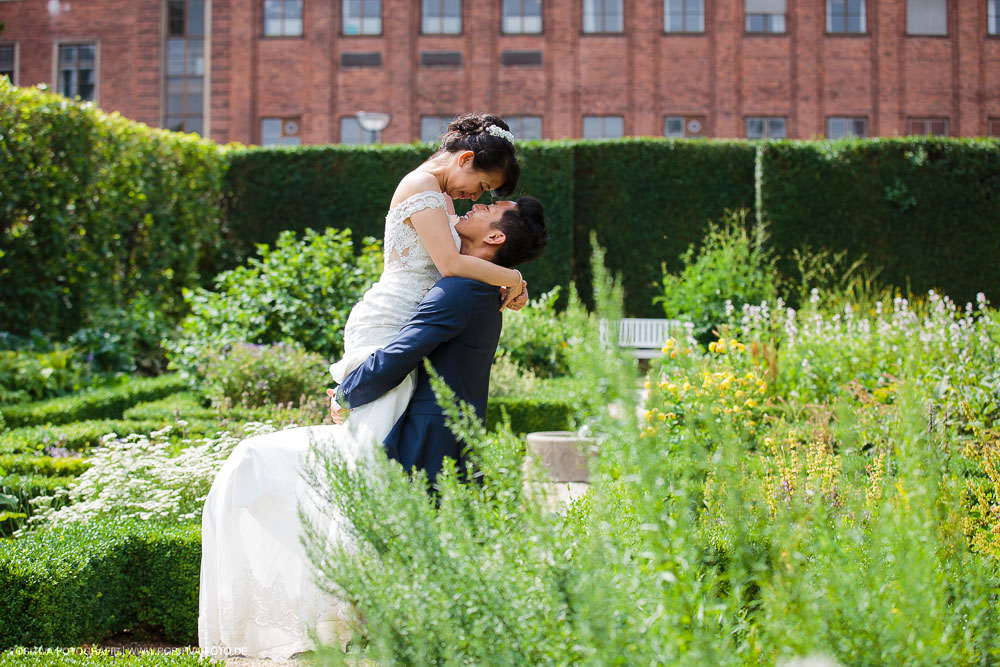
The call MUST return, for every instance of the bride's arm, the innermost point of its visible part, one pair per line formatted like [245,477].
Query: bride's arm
[433,229]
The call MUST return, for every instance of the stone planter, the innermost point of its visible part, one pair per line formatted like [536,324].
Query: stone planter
[561,455]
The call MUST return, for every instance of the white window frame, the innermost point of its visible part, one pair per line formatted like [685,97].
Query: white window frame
[604,119]
[284,32]
[848,127]
[508,28]
[686,126]
[993,17]
[846,30]
[913,28]
[363,19]
[775,21]
[596,10]
[439,17]
[683,4]
[97,65]
[767,126]
[516,124]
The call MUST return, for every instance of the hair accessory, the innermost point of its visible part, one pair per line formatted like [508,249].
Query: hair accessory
[498,131]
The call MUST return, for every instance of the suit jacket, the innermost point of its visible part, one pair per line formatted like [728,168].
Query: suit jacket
[457,327]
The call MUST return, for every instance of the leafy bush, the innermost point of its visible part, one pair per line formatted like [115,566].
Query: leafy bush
[537,337]
[299,292]
[50,657]
[184,405]
[528,414]
[731,267]
[75,437]
[257,375]
[30,375]
[51,466]
[24,488]
[103,221]
[64,586]
[101,403]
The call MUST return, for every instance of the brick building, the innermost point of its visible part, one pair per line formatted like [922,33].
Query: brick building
[297,71]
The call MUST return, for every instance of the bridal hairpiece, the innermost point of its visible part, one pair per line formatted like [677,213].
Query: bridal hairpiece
[498,131]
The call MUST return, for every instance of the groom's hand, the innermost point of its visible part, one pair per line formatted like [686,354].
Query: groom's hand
[338,413]
[519,301]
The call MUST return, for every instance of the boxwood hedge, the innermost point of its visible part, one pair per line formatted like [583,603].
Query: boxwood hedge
[65,586]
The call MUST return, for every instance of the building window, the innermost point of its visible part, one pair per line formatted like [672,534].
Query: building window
[760,127]
[185,72]
[603,127]
[935,126]
[77,77]
[362,17]
[845,16]
[838,127]
[522,16]
[280,132]
[7,65]
[525,127]
[283,18]
[926,17]
[360,59]
[683,126]
[441,17]
[432,128]
[352,133]
[684,16]
[603,16]
[765,15]
[993,17]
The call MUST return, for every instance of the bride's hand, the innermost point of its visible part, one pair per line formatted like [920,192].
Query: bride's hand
[512,292]
[338,413]
[520,300]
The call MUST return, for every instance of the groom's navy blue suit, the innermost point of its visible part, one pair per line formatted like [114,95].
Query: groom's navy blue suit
[457,327]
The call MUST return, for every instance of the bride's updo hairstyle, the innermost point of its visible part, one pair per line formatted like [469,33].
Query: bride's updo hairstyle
[493,153]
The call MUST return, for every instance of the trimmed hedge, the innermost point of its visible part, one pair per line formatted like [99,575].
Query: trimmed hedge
[51,466]
[100,216]
[924,209]
[102,403]
[185,405]
[313,187]
[23,657]
[62,587]
[528,415]
[78,436]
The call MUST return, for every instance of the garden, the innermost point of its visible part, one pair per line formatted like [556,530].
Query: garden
[811,467]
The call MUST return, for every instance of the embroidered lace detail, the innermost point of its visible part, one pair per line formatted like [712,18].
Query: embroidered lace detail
[401,239]
[409,272]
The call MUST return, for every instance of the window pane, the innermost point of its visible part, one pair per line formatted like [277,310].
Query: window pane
[532,128]
[67,55]
[777,23]
[6,58]
[859,127]
[272,17]
[175,18]
[85,83]
[927,17]
[196,18]
[674,127]
[270,131]
[194,86]
[174,124]
[192,125]
[590,14]
[614,127]
[592,127]
[196,58]
[776,128]
[836,128]
[755,23]
[993,18]
[175,96]
[939,128]
[350,130]
[175,57]
[755,128]
[86,54]
[291,141]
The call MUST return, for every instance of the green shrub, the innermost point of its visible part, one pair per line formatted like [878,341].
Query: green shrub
[734,266]
[528,414]
[103,221]
[184,405]
[301,291]
[24,657]
[77,437]
[52,466]
[102,403]
[30,375]
[79,583]
[537,337]
[257,375]
[24,488]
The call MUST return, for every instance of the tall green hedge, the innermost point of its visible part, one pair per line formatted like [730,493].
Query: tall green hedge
[926,210]
[648,199]
[102,219]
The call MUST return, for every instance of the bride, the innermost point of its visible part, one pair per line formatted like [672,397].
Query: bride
[257,595]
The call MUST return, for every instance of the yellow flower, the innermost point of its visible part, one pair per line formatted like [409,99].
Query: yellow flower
[750,403]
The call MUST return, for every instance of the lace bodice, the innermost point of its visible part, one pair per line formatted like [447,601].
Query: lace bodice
[408,273]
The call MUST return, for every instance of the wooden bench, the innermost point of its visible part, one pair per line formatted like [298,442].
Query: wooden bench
[643,337]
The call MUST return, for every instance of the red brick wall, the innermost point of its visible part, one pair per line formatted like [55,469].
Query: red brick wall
[644,74]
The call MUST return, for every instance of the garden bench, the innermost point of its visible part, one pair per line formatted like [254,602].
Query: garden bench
[643,336]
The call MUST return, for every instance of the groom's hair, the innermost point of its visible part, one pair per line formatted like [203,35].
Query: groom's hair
[524,227]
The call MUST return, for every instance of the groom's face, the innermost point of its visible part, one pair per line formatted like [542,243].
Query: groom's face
[479,238]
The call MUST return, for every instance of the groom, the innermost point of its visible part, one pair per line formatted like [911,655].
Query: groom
[457,327]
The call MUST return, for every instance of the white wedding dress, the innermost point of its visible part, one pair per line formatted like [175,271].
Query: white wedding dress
[258,595]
